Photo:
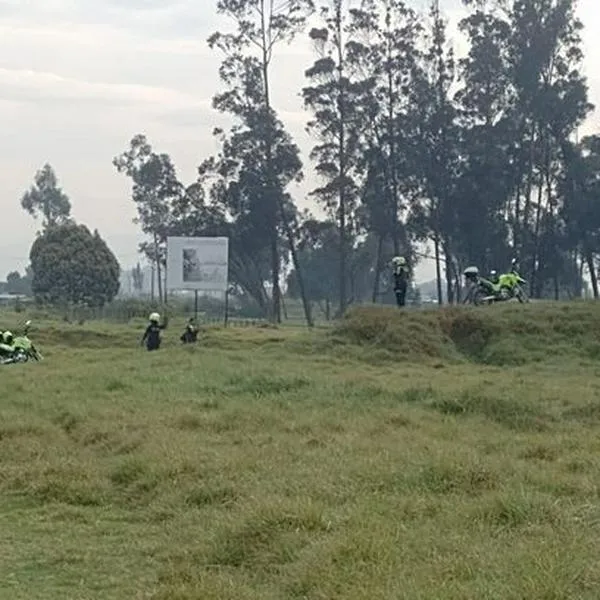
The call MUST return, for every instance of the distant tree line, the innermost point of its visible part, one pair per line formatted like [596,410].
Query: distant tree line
[17,284]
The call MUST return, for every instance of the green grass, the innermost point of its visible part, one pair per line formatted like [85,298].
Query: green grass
[420,455]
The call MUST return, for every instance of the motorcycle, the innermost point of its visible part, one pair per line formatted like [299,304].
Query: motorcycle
[508,286]
[22,349]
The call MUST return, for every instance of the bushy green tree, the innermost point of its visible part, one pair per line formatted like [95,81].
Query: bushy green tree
[72,265]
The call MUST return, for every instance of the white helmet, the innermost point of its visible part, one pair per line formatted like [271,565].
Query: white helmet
[155,317]
[398,261]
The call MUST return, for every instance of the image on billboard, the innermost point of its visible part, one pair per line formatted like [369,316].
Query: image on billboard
[197,263]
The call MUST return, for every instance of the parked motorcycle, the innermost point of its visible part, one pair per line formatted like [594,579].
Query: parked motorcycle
[508,286]
[22,349]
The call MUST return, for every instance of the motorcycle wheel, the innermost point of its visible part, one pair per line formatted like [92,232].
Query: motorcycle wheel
[478,297]
[12,360]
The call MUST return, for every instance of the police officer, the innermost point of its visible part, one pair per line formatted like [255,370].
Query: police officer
[401,273]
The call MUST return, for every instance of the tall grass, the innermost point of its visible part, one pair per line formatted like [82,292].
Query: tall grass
[387,458]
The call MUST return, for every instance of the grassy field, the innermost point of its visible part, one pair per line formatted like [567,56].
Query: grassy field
[427,455]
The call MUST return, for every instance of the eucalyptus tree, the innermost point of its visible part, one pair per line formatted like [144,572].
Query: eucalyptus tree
[334,97]
[260,26]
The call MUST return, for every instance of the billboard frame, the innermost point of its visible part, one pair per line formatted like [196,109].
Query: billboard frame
[178,246]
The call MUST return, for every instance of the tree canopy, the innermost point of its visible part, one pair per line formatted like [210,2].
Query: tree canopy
[474,157]
[46,199]
[72,265]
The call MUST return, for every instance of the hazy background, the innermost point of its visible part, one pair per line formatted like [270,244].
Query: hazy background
[78,78]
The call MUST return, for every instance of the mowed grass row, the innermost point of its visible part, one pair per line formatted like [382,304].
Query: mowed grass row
[285,464]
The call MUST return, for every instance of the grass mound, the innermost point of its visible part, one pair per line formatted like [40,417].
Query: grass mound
[496,335]
[411,333]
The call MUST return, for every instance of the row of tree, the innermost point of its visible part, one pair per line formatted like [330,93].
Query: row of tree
[474,156]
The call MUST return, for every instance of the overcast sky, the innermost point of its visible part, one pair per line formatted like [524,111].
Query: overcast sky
[78,78]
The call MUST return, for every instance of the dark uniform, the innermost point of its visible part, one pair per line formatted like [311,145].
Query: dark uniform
[152,335]
[401,276]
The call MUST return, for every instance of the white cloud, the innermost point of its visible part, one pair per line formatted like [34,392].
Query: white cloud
[64,35]
[43,87]
[165,19]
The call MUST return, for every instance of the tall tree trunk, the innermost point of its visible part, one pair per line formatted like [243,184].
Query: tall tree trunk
[449,285]
[552,214]
[343,260]
[377,279]
[272,188]
[545,183]
[393,182]
[158,269]
[342,160]
[438,269]
[517,224]
[449,279]
[458,282]
[277,204]
[165,289]
[589,258]
[297,267]
[535,284]
[519,183]
[249,278]
[284,309]
[449,269]
[528,192]
[276,292]
[152,280]
[581,265]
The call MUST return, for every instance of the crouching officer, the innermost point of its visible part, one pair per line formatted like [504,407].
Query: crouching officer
[190,335]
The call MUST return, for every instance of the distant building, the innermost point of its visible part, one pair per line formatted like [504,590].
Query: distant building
[8,299]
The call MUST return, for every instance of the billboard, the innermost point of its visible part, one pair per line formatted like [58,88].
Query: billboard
[197,263]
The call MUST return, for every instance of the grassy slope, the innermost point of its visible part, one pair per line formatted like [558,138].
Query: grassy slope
[445,455]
